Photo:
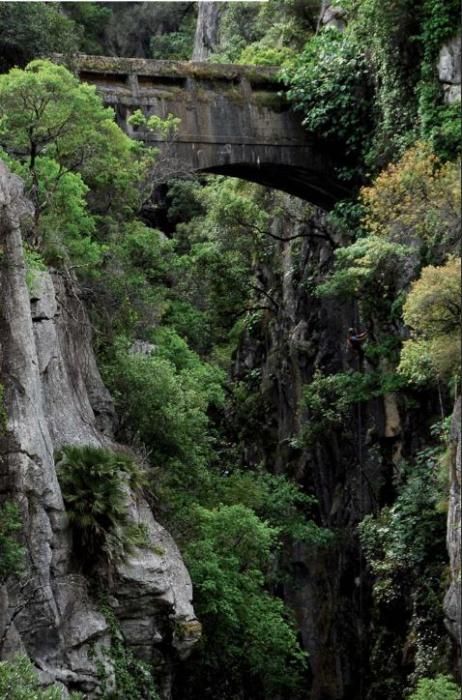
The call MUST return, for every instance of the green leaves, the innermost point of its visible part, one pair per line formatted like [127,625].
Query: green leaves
[11,552]
[328,399]
[244,626]
[19,681]
[438,688]
[164,398]
[330,83]
[407,539]
[28,30]
[44,108]
[82,172]
[95,484]
[433,312]
[165,127]
[364,268]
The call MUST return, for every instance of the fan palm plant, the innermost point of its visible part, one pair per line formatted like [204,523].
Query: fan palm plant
[95,484]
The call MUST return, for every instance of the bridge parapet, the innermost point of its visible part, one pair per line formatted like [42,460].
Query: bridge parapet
[234,120]
[181,70]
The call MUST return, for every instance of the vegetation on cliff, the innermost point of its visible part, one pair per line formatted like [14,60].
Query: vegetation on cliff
[198,330]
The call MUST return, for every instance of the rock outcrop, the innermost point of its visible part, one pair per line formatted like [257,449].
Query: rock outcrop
[207,35]
[453,602]
[345,469]
[351,468]
[449,69]
[54,396]
[332,15]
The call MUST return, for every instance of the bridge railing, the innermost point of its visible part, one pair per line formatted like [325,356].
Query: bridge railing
[139,74]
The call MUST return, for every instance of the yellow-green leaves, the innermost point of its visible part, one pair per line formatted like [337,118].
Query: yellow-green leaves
[417,198]
[165,128]
[433,312]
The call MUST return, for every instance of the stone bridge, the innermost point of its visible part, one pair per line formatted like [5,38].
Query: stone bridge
[234,121]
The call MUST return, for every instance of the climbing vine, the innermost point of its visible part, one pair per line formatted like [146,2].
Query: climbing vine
[121,674]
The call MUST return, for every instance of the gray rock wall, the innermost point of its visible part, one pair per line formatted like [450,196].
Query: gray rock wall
[207,37]
[303,333]
[452,602]
[449,69]
[54,396]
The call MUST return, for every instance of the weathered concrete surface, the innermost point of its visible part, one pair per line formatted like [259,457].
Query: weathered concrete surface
[233,121]
[54,395]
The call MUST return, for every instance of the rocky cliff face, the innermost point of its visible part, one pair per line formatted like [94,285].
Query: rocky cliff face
[351,469]
[449,69]
[54,396]
[453,603]
[206,39]
[345,470]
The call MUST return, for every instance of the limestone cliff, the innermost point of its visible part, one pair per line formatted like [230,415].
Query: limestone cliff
[54,396]
[206,38]
[352,469]
[453,603]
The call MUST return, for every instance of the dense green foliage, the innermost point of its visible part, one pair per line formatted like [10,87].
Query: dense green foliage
[32,29]
[374,87]
[64,143]
[433,311]
[404,548]
[155,30]
[438,688]
[245,627]
[328,400]
[330,83]
[189,293]
[19,681]
[11,552]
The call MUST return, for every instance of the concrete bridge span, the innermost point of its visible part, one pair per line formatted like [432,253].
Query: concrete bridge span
[234,121]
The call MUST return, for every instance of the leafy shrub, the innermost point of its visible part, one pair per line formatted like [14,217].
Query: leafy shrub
[276,500]
[164,404]
[330,83]
[130,291]
[260,55]
[94,483]
[439,123]
[415,199]
[76,162]
[245,628]
[433,312]
[407,538]
[366,269]
[19,681]
[32,30]
[173,46]
[34,266]
[11,552]
[132,677]
[328,399]
[439,688]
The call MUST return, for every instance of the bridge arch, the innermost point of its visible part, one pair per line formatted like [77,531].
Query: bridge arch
[234,121]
